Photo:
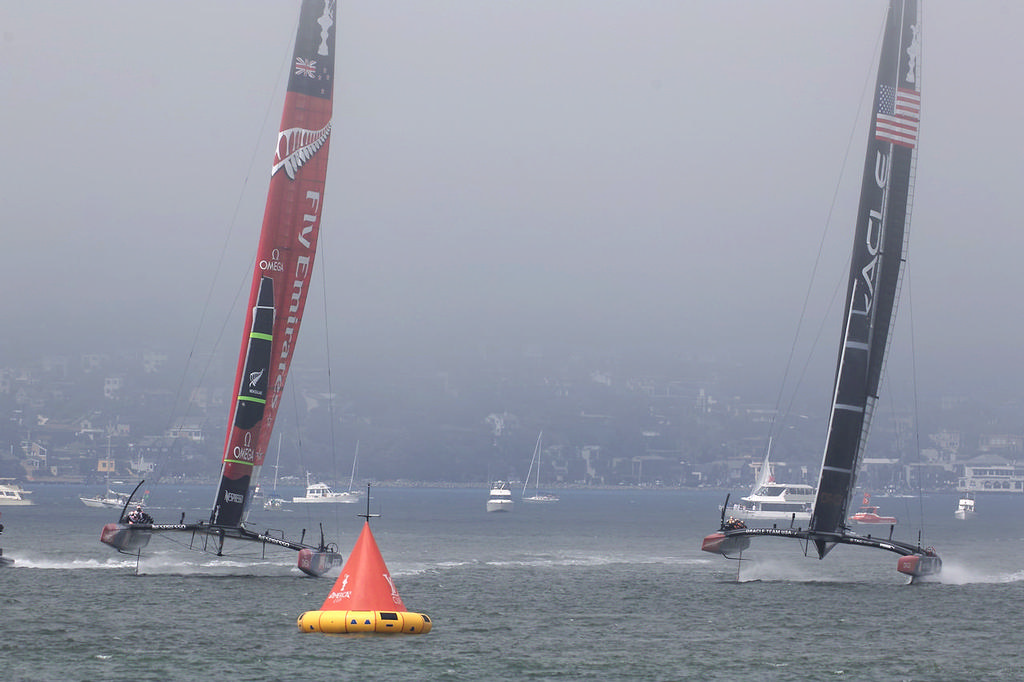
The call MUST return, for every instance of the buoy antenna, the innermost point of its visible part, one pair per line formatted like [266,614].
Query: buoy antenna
[368,515]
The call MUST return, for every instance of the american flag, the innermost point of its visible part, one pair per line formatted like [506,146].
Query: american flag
[899,115]
[305,67]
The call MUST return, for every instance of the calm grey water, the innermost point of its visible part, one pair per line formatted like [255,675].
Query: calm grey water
[604,585]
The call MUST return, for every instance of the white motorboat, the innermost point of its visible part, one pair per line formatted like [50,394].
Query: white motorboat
[500,498]
[321,493]
[771,501]
[776,502]
[965,507]
[110,499]
[12,494]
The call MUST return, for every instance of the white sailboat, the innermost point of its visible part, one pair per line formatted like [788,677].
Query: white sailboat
[537,496]
[352,476]
[273,501]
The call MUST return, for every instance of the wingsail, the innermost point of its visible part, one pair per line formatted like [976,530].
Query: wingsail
[280,282]
[876,269]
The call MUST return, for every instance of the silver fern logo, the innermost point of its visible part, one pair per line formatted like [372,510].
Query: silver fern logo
[296,146]
[254,378]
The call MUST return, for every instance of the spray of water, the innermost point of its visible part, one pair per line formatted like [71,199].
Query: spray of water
[954,573]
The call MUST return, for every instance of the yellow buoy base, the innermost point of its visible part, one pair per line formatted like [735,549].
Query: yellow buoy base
[351,622]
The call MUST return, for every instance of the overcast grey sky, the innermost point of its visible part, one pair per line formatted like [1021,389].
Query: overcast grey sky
[611,171]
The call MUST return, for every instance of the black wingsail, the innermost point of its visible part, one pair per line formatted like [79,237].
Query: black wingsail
[876,267]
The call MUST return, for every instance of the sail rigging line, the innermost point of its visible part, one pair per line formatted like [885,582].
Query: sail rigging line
[300,450]
[330,386]
[332,439]
[917,421]
[825,321]
[258,151]
[850,142]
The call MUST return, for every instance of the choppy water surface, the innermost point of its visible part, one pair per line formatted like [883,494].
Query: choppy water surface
[603,585]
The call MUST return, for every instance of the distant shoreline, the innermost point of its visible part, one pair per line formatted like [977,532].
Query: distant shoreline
[479,485]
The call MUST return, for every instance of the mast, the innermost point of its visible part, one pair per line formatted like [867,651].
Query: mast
[764,477]
[277,462]
[533,460]
[284,261]
[352,477]
[876,268]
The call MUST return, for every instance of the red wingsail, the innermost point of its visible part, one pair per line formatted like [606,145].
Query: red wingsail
[284,262]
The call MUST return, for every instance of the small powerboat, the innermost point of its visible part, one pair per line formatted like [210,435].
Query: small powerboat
[868,513]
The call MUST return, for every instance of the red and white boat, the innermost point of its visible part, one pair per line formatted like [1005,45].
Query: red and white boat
[868,513]
[282,276]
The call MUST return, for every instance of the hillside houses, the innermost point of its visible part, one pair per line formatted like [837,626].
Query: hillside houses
[128,415]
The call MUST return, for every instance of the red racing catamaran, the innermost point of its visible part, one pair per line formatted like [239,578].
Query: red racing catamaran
[281,278]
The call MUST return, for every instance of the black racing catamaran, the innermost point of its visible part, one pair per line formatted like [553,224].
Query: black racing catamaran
[879,251]
[281,277]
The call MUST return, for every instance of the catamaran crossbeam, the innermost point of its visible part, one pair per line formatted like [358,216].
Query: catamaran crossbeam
[130,538]
[915,561]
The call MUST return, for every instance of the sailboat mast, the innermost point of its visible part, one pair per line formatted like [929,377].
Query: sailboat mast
[277,463]
[284,260]
[538,453]
[355,460]
[876,265]
[533,460]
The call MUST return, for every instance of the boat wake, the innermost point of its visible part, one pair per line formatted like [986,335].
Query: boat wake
[71,564]
[768,570]
[960,574]
[556,561]
[213,566]
[542,561]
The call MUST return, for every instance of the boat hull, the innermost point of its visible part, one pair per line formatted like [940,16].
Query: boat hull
[340,498]
[13,495]
[874,520]
[102,503]
[726,545]
[125,537]
[920,565]
[315,562]
[499,505]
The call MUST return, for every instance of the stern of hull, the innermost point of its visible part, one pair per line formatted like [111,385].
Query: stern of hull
[920,565]
[315,562]
[125,537]
[720,543]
